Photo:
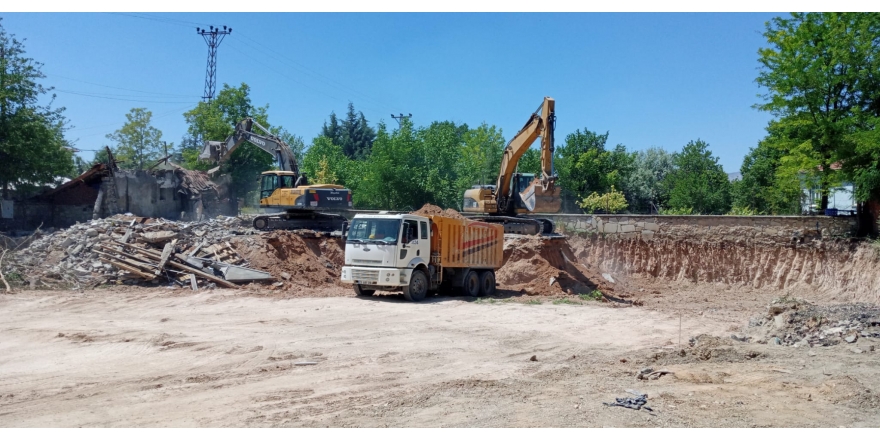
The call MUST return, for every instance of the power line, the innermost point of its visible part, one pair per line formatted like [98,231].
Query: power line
[159,116]
[263,63]
[121,88]
[119,99]
[327,80]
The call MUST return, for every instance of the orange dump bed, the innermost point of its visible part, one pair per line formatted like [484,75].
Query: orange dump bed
[467,243]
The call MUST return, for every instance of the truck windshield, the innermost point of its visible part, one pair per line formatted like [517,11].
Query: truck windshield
[374,230]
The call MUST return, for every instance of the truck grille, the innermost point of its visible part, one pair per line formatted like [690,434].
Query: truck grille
[365,276]
[367,262]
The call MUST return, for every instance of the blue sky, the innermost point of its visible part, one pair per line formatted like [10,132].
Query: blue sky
[650,79]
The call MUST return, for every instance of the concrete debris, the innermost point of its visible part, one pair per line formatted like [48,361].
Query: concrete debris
[792,322]
[125,249]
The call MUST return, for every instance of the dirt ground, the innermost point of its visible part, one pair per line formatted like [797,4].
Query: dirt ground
[148,357]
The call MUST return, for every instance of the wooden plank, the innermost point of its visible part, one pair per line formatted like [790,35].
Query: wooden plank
[131,262]
[193,252]
[219,281]
[137,257]
[166,253]
[127,235]
[131,269]
[192,282]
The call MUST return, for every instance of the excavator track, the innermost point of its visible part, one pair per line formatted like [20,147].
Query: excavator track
[520,225]
[296,221]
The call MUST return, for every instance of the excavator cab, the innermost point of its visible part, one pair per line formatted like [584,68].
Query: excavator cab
[271,181]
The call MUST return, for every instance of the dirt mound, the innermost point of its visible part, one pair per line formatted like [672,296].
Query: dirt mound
[430,209]
[296,261]
[545,267]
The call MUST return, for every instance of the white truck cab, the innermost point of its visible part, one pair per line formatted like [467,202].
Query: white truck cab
[382,250]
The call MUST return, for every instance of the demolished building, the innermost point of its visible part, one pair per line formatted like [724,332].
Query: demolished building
[166,190]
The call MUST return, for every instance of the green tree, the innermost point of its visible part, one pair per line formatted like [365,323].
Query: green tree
[481,155]
[611,202]
[644,185]
[138,143]
[32,145]
[530,162]
[215,121]
[816,70]
[324,162]
[353,134]
[698,182]
[764,188]
[390,178]
[585,166]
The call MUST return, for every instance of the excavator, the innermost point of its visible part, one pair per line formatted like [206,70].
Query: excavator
[521,193]
[286,189]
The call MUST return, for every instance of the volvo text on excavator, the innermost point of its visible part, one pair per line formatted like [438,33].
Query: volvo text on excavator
[286,189]
[520,193]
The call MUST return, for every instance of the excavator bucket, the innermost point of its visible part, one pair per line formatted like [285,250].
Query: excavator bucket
[211,151]
[536,199]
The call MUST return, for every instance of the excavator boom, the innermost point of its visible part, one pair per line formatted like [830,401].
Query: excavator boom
[514,192]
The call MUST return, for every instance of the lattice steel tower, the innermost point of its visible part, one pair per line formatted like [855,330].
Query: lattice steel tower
[213,37]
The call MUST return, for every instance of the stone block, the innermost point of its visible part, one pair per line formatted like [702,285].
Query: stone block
[640,225]
[647,235]
[627,228]
[610,228]
[653,227]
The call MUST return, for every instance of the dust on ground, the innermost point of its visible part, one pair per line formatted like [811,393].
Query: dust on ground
[131,356]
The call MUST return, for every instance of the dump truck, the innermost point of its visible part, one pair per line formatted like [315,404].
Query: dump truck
[416,254]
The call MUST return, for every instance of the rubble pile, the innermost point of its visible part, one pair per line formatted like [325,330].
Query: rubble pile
[125,249]
[800,323]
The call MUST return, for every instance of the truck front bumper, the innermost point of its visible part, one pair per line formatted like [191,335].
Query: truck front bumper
[376,276]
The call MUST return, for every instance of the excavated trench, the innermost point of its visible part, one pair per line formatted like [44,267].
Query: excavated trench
[839,270]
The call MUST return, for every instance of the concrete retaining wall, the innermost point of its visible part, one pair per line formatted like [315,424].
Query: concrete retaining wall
[706,227]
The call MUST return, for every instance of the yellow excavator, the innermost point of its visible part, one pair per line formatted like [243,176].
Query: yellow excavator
[521,193]
[287,189]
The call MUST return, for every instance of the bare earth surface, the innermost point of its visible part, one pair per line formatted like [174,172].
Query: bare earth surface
[145,357]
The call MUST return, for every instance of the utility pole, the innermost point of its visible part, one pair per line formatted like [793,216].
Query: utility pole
[213,37]
[400,118]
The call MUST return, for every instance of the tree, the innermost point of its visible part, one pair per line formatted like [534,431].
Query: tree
[764,187]
[215,121]
[137,143]
[644,186]
[482,148]
[32,145]
[698,182]
[530,162]
[324,162]
[354,134]
[585,166]
[609,203]
[817,71]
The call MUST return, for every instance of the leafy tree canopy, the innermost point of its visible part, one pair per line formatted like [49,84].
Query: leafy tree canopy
[32,145]
[698,183]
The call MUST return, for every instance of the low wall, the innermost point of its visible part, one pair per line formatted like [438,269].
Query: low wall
[706,227]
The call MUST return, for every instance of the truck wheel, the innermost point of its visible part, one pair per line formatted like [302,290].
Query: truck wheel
[418,287]
[472,283]
[487,283]
[360,291]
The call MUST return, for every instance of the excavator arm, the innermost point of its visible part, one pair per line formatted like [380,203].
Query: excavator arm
[268,142]
[541,123]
